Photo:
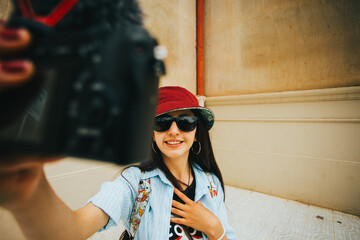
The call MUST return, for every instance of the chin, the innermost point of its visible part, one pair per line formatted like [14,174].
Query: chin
[176,154]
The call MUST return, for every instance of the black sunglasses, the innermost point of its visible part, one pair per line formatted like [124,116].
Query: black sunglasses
[185,123]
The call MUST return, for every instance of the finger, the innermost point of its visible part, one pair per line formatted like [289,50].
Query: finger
[199,202]
[178,212]
[181,221]
[178,205]
[13,40]
[182,196]
[13,73]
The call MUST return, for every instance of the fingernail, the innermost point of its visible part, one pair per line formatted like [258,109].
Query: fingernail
[10,34]
[13,67]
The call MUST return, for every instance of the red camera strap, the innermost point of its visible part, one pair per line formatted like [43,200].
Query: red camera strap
[50,20]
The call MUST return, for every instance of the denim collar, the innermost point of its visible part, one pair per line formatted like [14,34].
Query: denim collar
[202,182]
[154,173]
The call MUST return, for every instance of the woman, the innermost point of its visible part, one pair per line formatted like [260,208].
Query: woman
[182,154]
[178,160]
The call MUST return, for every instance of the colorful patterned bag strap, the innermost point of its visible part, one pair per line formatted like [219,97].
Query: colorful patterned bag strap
[212,187]
[140,204]
[142,200]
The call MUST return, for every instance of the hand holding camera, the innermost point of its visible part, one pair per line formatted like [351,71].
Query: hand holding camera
[85,88]
[19,175]
[95,89]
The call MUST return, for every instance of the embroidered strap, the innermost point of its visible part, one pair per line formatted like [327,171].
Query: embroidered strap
[212,187]
[140,204]
[142,200]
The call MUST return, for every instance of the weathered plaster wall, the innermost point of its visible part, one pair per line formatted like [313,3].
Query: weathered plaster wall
[280,45]
[173,24]
[283,79]
[5,7]
[299,145]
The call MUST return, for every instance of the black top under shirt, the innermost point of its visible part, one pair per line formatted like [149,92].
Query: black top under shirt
[177,231]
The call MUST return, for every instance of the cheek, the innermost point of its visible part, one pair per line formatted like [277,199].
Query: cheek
[191,136]
[157,137]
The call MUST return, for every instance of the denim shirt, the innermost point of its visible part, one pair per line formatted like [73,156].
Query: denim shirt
[117,198]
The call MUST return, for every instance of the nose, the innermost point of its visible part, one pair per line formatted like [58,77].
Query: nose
[173,130]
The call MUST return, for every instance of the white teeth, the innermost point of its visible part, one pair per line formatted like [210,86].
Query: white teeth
[173,142]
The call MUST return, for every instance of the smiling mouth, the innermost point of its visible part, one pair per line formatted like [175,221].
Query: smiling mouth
[173,142]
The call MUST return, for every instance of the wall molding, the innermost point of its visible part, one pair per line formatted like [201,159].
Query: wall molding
[314,120]
[292,156]
[300,145]
[316,95]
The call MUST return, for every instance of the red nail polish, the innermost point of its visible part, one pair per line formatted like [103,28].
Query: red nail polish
[10,34]
[13,67]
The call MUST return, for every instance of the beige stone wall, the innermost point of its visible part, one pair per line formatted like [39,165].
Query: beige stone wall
[282,77]
[280,45]
[5,8]
[300,145]
[173,24]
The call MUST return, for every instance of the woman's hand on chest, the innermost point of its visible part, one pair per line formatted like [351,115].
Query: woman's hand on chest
[196,216]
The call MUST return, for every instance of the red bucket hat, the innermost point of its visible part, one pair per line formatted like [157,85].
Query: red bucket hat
[177,98]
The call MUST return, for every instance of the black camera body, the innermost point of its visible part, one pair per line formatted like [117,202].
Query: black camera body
[94,92]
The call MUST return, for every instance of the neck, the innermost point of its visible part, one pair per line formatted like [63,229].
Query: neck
[180,168]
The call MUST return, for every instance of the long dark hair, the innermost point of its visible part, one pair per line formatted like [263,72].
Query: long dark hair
[205,160]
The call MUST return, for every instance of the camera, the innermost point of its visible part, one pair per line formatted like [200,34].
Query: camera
[94,92]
